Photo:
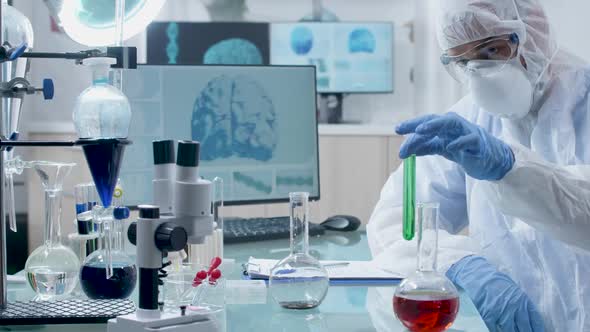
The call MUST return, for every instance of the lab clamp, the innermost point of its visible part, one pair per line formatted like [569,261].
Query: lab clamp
[17,88]
[183,214]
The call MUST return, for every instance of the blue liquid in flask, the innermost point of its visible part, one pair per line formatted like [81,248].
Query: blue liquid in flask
[96,286]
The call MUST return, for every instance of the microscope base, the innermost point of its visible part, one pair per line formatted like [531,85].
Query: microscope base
[191,322]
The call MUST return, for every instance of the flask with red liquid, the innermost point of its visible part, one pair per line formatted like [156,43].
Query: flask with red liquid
[426,301]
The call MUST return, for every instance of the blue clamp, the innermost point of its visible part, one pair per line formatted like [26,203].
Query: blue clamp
[121,212]
[48,89]
[13,137]
[16,52]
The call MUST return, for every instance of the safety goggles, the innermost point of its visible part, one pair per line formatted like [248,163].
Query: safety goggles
[497,51]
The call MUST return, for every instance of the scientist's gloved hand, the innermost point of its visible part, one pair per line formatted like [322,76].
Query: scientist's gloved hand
[481,155]
[500,301]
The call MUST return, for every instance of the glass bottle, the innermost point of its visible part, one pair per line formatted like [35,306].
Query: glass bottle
[427,300]
[52,268]
[101,111]
[299,281]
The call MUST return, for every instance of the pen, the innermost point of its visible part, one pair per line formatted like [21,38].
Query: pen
[336,264]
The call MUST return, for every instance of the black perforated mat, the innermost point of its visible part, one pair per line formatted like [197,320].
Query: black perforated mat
[64,312]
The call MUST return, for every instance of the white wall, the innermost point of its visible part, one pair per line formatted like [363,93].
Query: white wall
[570,23]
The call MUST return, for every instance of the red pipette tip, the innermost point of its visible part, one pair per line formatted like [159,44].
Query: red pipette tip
[199,277]
[215,274]
[215,262]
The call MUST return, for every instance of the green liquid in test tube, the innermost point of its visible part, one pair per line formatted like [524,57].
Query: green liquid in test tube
[409,197]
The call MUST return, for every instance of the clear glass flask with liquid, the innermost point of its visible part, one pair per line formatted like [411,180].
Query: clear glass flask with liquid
[299,281]
[52,269]
[427,300]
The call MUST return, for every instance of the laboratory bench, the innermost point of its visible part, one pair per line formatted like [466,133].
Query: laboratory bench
[345,308]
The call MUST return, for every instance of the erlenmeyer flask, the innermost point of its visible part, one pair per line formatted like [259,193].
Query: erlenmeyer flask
[52,268]
[427,300]
[299,281]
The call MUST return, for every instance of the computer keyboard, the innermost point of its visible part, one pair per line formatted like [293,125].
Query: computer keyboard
[238,230]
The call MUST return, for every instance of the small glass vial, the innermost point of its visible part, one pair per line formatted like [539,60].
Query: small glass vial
[299,281]
[427,300]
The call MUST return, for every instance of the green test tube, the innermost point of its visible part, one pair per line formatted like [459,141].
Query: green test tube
[409,197]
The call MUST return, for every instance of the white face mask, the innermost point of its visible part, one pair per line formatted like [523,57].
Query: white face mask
[505,91]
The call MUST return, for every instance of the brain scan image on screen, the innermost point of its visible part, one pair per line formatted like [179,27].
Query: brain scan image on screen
[233,51]
[234,116]
[301,40]
[361,40]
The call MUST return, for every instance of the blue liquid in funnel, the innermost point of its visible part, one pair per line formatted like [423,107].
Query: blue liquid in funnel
[104,158]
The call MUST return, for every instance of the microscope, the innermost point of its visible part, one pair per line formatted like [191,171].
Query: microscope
[182,214]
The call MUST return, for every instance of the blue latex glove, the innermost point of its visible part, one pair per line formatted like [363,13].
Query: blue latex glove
[481,155]
[501,303]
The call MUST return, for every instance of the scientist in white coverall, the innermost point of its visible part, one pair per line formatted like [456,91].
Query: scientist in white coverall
[511,161]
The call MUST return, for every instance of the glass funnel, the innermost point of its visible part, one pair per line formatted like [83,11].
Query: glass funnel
[52,268]
[299,281]
[427,300]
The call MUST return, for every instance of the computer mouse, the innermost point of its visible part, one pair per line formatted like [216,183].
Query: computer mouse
[342,223]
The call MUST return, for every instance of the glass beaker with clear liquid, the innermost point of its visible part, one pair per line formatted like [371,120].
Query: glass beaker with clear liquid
[52,269]
[299,281]
[427,300]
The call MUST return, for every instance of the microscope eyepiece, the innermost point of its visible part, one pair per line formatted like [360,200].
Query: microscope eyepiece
[188,154]
[163,152]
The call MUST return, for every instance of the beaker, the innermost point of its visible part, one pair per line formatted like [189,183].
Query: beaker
[52,268]
[299,281]
[427,300]
[108,273]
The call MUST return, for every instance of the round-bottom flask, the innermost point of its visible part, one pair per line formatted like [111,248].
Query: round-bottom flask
[52,268]
[299,281]
[427,300]
[94,281]
[52,271]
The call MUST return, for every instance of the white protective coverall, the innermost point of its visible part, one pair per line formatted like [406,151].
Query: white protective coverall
[534,224]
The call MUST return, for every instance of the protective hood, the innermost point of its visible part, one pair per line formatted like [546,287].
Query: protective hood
[464,21]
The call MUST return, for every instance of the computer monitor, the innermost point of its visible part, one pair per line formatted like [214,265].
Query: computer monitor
[350,57]
[197,43]
[256,124]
